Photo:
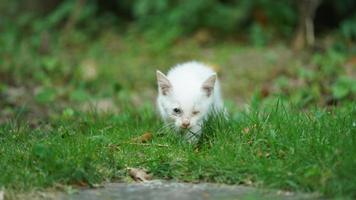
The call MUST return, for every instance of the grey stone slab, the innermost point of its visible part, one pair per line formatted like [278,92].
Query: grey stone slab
[162,190]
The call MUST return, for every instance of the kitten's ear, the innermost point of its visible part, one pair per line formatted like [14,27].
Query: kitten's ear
[208,85]
[163,83]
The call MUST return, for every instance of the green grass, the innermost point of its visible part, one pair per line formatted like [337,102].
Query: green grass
[273,147]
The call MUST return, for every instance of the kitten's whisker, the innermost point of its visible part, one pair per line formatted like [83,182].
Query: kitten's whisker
[166,128]
[163,129]
[193,134]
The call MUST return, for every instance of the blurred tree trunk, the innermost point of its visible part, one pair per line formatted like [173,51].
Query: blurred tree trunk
[305,31]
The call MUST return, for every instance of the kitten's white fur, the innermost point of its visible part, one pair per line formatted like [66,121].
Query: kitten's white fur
[192,88]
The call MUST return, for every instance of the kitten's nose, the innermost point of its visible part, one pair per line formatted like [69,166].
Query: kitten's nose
[185,124]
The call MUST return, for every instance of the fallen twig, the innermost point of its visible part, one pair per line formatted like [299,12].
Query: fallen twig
[145,144]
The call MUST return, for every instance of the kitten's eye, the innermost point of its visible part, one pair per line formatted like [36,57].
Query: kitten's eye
[177,110]
[195,112]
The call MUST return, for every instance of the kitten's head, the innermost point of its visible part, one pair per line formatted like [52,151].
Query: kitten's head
[185,107]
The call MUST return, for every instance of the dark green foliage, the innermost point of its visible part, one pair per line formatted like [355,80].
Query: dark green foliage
[168,20]
[348,30]
[325,81]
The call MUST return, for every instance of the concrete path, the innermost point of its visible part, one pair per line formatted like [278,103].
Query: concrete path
[161,190]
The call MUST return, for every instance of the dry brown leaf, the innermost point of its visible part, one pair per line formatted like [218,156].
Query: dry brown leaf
[81,184]
[143,144]
[246,130]
[139,175]
[143,138]
[265,91]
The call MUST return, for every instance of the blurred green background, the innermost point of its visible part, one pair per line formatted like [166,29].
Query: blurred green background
[57,55]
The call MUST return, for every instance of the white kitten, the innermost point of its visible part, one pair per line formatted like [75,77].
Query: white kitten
[186,96]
